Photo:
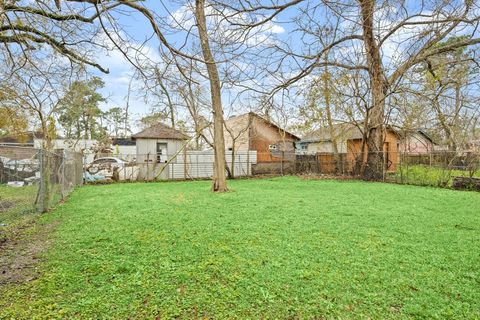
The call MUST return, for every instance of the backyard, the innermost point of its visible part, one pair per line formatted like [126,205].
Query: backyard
[270,248]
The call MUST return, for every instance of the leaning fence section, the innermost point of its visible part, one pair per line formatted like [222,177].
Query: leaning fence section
[36,179]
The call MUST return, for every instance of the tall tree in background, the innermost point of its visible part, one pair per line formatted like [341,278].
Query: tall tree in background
[115,120]
[13,121]
[448,80]
[152,118]
[79,110]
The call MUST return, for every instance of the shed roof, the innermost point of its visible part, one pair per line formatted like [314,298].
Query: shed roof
[160,131]
[404,133]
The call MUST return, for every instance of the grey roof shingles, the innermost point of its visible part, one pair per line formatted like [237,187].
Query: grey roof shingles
[160,131]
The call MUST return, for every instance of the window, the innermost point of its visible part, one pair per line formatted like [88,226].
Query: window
[230,149]
[161,152]
[304,147]
[272,147]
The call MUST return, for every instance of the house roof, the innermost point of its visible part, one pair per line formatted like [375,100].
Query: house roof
[345,131]
[160,131]
[270,123]
[16,139]
[25,138]
[404,133]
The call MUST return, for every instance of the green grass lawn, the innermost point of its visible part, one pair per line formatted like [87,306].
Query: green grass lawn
[272,248]
[429,175]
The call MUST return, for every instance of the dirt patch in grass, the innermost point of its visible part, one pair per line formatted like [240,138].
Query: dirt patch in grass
[5,205]
[327,177]
[21,247]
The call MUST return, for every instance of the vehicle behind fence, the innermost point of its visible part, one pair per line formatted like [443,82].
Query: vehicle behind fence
[184,165]
[35,179]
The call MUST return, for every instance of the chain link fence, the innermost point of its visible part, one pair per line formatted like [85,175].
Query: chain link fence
[441,168]
[35,180]
[459,169]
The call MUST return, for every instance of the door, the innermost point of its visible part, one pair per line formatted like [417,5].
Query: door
[162,155]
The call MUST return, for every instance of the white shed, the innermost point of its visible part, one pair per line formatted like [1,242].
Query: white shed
[155,146]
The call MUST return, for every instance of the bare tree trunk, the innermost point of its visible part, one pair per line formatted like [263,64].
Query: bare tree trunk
[331,127]
[219,177]
[171,107]
[2,11]
[455,121]
[374,169]
[232,165]
[127,107]
[46,162]
[442,120]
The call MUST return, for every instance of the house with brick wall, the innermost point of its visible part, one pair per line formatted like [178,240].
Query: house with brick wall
[250,131]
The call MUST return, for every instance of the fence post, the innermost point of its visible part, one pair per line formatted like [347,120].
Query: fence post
[42,192]
[147,177]
[39,200]
[281,165]
[62,185]
[185,163]
[384,174]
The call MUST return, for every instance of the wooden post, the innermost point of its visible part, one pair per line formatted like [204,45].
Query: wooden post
[281,165]
[248,162]
[62,184]
[147,177]
[185,164]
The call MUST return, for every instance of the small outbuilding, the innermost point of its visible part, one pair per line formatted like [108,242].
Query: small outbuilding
[155,146]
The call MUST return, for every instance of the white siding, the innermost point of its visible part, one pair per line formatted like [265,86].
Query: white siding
[185,165]
[125,152]
[199,164]
[196,164]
